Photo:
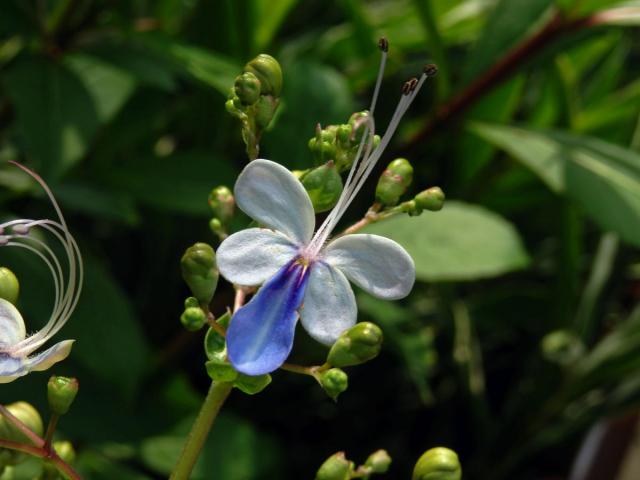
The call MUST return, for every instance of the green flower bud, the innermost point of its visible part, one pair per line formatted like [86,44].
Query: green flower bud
[252,385]
[61,392]
[359,344]
[562,347]
[222,203]
[190,302]
[334,381]
[215,225]
[265,109]
[431,199]
[343,134]
[247,88]
[379,461]
[394,181]
[220,370]
[9,285]
[27,415]
[65,451]
[324,186]
[411,207]
[193,318]
[199,271]
[336,467]
[268,71]
[438,464]
[357,119]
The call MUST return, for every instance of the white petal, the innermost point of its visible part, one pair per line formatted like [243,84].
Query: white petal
[377,264]
[271,195]
[46,359]
[11,368]
[329,306]
[12,328]
[250,257]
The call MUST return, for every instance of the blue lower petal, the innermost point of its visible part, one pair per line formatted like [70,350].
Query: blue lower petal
[260,334]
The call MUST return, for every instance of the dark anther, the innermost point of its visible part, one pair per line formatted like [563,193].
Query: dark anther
[430,69]
[409,86]
[383,44]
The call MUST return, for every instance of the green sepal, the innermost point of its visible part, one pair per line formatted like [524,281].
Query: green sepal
[431,199]
[438,463]
[336,467]
[221,370]
[324,186]
[359,344]
[252,384]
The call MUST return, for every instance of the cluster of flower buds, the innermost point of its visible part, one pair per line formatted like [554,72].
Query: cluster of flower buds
[355,346]
[219,368]
[334,149]
[200,272]
[222,205]
[393,184]
[338,467]
[438,463]
[254,99]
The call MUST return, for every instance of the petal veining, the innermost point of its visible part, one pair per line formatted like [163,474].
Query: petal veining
[250,257]
[12,329]
[271,195]
[260,335]
[376,264]
[329,306]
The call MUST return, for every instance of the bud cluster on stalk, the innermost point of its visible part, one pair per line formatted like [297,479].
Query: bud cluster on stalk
[254,99]
[338,467]
[222,204]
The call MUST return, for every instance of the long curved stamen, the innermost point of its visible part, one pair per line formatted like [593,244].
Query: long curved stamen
[364,167]
[66,298]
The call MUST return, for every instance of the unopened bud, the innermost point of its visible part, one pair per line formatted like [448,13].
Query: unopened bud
[65,451]
[438,464]
[562,347]
[359,344]
[394,181]
[191,302]
[193,318]
[268,71]
[215,225]
[324,186]
[431,199]
[336,467]
[379,461]
[334,381]
[9,285]
[199,271]
[247,88]
[61,392]
[222,203]
[27,415]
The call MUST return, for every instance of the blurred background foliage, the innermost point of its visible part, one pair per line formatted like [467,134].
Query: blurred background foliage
[521,332]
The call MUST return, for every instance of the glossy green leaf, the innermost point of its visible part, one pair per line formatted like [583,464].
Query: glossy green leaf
[55,112]
[272,14]
[460,242]
[602,177]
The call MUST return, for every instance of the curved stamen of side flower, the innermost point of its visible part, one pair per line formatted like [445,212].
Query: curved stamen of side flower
[18,233]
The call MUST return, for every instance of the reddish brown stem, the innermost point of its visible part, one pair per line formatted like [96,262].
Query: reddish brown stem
[501,70]
[44,453]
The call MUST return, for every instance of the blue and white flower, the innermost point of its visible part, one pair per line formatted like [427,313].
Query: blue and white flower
[16,347]
[304,274]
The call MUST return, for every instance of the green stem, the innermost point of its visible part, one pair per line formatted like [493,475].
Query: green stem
[51,428]
[218,393]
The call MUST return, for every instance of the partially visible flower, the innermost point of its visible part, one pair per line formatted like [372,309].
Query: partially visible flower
[303,274]
[15,346]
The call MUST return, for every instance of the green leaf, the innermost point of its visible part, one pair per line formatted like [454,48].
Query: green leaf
[272,14]
[90,199]
[111,343]
[603,178]
[460,242]
[509,22]
[109,86]
[55,113]
[178,183]
[210,68]
[233,451]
